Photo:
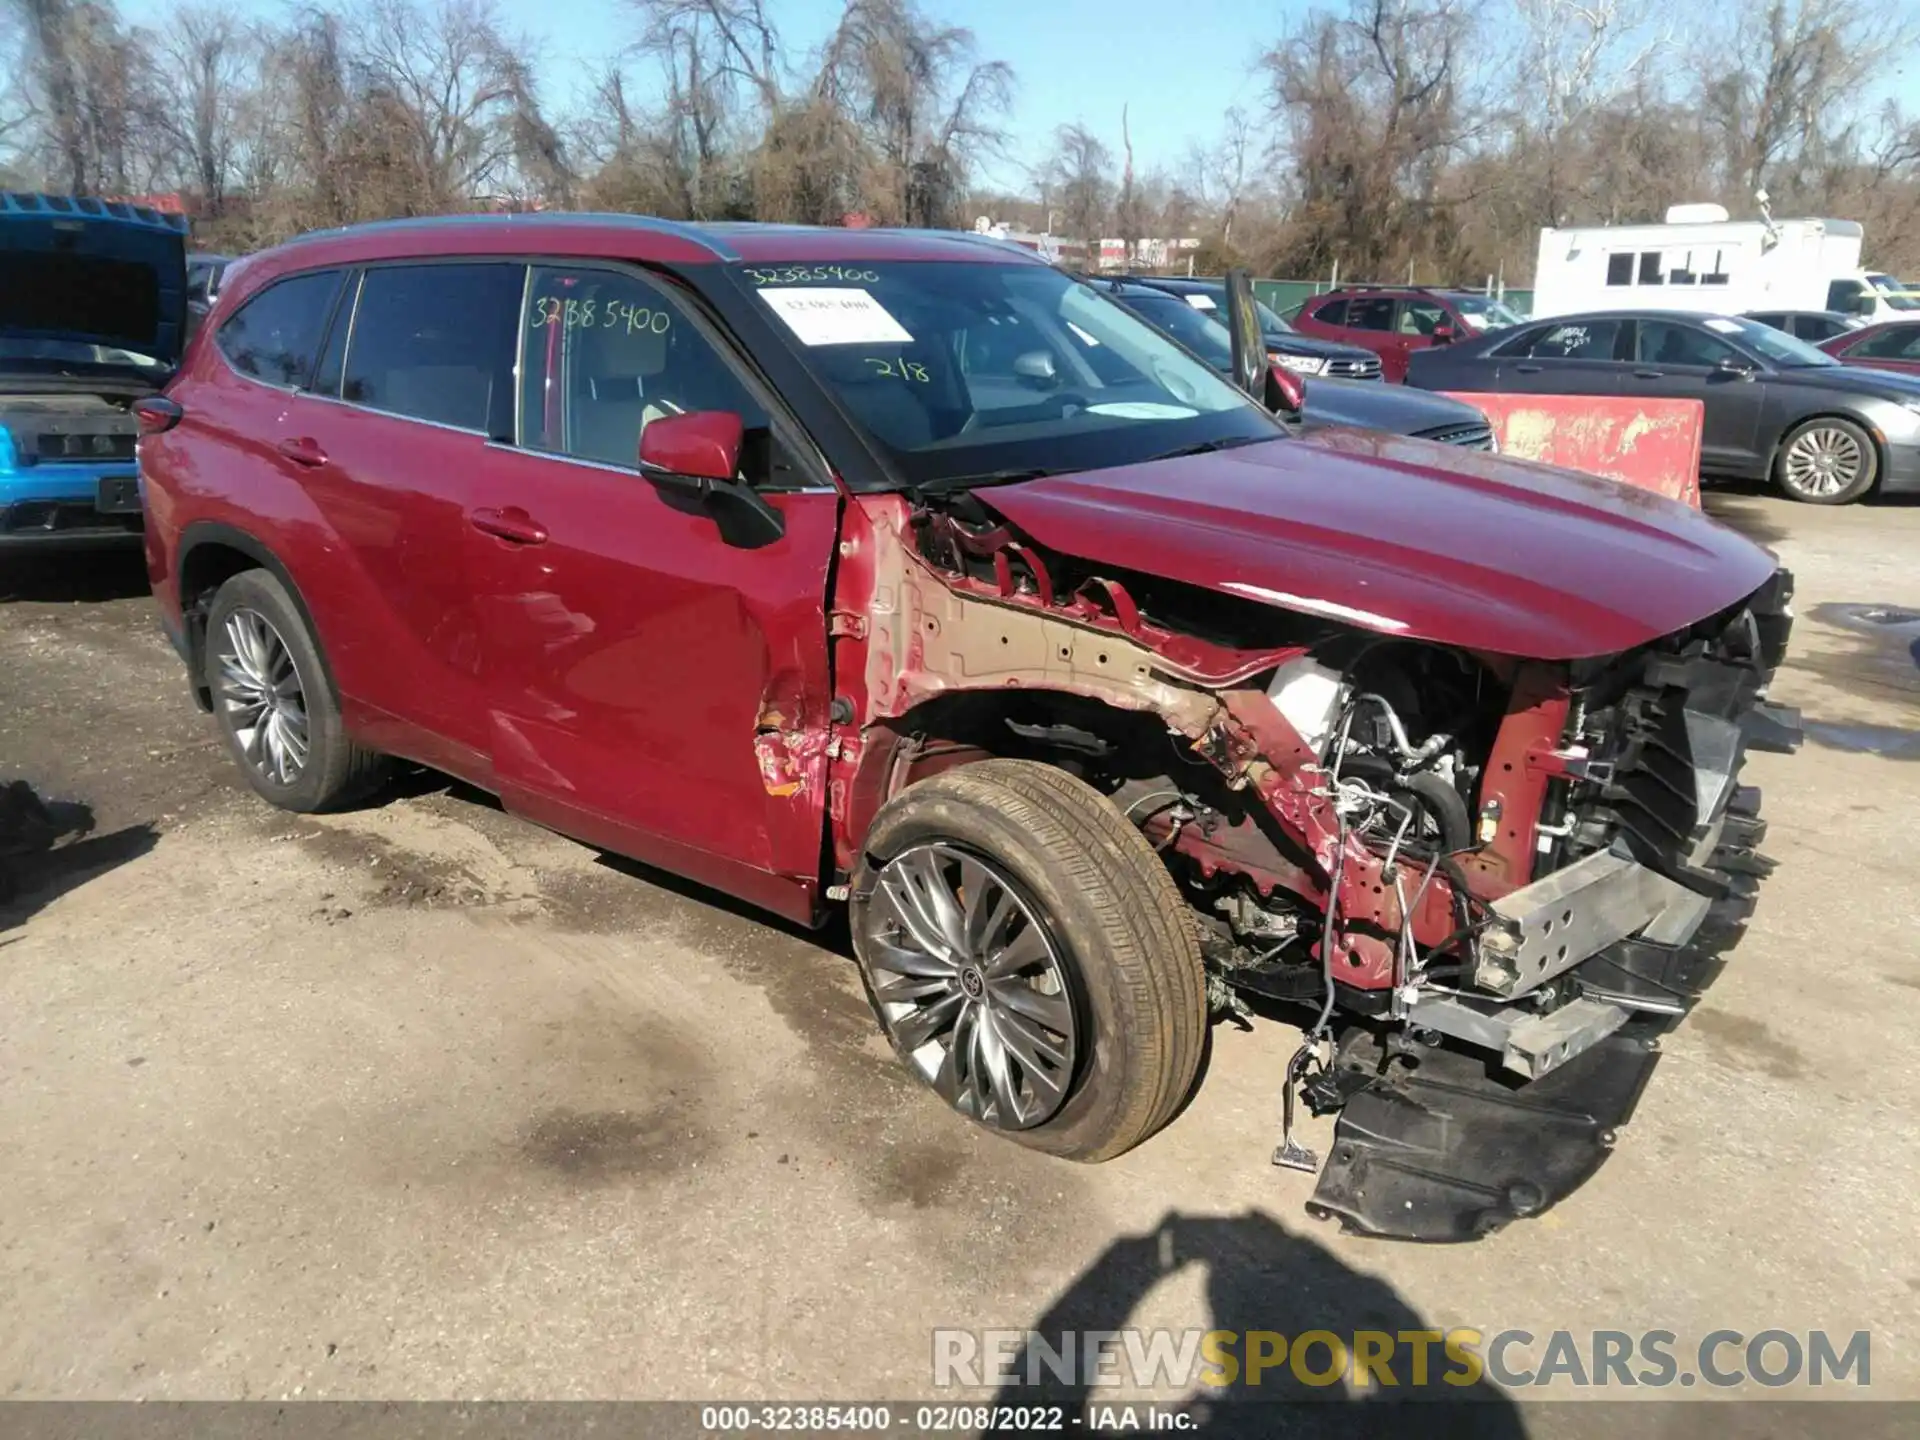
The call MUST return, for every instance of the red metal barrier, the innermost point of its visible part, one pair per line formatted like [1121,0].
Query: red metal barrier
[1654,444]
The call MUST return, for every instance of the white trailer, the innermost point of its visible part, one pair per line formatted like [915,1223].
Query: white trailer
[1701,260]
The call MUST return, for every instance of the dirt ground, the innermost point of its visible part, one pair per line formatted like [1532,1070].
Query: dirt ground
[421,1101]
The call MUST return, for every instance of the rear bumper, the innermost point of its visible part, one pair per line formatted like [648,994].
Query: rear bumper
[60,507]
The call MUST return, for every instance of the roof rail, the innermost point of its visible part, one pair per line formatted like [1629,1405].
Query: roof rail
[693,234]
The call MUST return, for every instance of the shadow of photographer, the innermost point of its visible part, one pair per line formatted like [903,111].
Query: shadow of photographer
[1261,1281]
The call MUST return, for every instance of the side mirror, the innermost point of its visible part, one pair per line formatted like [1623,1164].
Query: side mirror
[1037,366]
[1286,392]
[1444,333]
[700,445]
[1733,367]
[698,454]
[1243,332]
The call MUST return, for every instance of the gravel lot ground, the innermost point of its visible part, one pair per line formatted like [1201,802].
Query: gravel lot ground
[421,1101]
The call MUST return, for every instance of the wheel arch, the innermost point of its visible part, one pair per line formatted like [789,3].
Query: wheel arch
[1057,727]
[210,554]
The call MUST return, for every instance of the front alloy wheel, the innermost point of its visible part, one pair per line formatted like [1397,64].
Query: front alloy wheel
[1827,462]
[970,986]
[1029,956]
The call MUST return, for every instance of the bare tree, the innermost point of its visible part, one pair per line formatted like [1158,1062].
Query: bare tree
[207,61]
[1374,102]
[1080,178]
[1576,57]
[1780,82]
[1224,170]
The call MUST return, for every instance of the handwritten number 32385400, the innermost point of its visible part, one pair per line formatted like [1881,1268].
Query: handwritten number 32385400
[614,314]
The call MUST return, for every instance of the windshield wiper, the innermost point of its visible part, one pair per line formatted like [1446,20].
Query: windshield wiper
[1205,447]
[984,478]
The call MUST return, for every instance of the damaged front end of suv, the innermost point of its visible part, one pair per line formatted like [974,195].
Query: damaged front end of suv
[1468,791]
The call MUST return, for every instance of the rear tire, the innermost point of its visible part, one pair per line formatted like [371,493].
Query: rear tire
[1826,461]
[274,702]
[1086,995]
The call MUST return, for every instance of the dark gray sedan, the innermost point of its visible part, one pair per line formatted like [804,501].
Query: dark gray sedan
[1776,408]
[1360,404]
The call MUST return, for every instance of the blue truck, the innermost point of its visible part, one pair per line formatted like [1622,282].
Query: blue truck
[93,316]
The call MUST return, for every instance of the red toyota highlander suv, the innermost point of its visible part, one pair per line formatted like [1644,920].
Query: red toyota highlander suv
[1393,323]
[910,572]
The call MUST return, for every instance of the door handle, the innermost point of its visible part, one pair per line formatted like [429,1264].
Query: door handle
[303,450]
[1528,369]
[512,524]
[1649,374]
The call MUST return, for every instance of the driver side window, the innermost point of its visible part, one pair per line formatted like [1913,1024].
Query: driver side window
[1420,317]
[1663,342]
[605,353]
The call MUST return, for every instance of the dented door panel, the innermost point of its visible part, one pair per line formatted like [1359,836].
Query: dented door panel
[644,673]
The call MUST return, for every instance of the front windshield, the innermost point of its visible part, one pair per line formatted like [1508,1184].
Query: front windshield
[1774,345]
[1483,313]
[1894,292]
[967,371]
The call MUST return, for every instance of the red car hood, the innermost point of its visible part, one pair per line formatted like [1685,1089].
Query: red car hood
[1406,538]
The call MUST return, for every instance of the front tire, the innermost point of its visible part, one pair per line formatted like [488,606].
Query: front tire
[1826,461]
[1030,958]
[274,702]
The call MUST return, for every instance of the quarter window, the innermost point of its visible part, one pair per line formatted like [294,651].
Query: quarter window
[274,335]
[435,342]
[605,353]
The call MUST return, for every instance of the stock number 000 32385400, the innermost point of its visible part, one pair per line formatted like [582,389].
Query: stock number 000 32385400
[921,1420]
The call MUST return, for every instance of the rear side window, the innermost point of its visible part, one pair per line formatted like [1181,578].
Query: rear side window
[1371,314]
[436,342]
[1575,340]
[274,335]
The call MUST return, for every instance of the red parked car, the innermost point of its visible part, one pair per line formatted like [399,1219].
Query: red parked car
[909,572]
[1894,345]
[1394,322]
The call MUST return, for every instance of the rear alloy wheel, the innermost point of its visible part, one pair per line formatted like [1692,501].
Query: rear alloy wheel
[261,698]
[1030,958]
[274,702]
[1827,462]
